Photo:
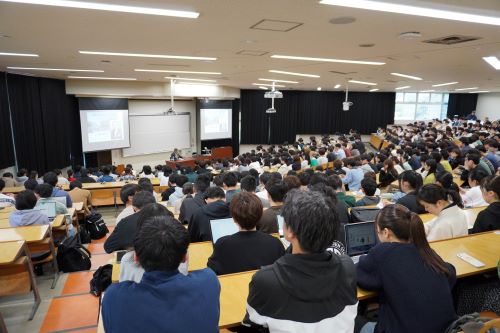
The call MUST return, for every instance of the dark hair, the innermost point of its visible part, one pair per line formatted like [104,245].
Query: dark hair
[407,226]
[445,179]
[44,190]
[25,200]
[432,164]
[246,210]
[264,177]
[473,157]
[74,184]
[248,183]
[312,218]
[187,188]
[30,184]
[214,192]
[161,243]
[292,182]
[413,178]
[106,170]
[150,210]
[180,180]
[128,190]
[145,185]
[8,175]
[2,184]
[317,178]
[369,186]
[50,178]
[304,178]
[202,183]
[334,182]
[432,193]
[142,198]
[477,174]
[491,183]
[230,179]
[57,171]
[146,169]
[70,173]
[22,172]
[277,190]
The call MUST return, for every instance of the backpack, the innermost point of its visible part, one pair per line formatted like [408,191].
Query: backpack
[72,256]
[84,234]
[363,214]
[96,226]
[101,279]
[472,322]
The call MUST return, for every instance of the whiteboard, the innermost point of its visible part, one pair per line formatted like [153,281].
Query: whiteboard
[150,134]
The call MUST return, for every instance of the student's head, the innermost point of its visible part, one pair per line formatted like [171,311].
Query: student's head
[70,173]
[22,172]
[141,199]
[8,175]
[292,182]
[30,184]
[50,178]
[335,182]
[213,194]
[435,198]
[410,181]
[127,193]
[44,190]
[180,180]
[150,210]
[106,170]
[431,166]
[201,183]
[84,172]
[147,169]
[2,184]
[230,180]
[58,172]
[304,178]
[490,188]
[246,210]
[396,223]
[369,186]
[277,190]
[75,184]
[145,185]
[161,244]
[471,160]
[25,200]
[476,176]
[311,221]
[248,183]
[187,188]
[445,180]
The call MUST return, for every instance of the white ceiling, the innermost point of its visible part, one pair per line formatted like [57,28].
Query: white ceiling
[223,30]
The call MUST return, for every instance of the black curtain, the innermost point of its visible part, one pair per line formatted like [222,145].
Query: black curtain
[46,123]
[7,158]
[312,112]
[461,104]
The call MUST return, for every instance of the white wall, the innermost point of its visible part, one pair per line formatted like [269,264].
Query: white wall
[488,105]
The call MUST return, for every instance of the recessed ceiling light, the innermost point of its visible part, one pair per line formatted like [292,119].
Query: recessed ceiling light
[407,76]
[363,82]
[318,89]
[109,7]
[273,80]
[188,79]
[9,54]
[142,55]
[414,10]
[444,84]
[427,91]
[263,88]
[493,61]
[479,92]
[278,56]
[337,86]
[373,90]
[268,85]
[58,69]
[293,73]
[401,88]
[102,78]
[180,72]
[471,88]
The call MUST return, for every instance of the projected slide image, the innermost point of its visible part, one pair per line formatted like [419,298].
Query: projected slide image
[105,126]
[216,121]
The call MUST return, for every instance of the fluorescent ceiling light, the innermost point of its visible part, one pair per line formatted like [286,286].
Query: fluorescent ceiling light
[373,90]
[400,88]
[282,81]
[493,61]
[363,82]
[9,54]
[328,60]
[444,84]
[268,85]
[57,69]
[109,7]
[407,76]
[180,72]
[102,78]
[479,92]
[414,10]
[293,73]
[263,88]
[188,79]
[144,55]
[337,86]
[471,88]
[197,83]
[426,91]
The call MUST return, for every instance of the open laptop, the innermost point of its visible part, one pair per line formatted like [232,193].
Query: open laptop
[281,220]
[60,199]
[48,208]
[359,239]
[222,227]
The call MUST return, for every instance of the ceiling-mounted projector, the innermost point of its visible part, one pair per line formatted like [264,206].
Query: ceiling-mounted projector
[171,112]
[346,105]
[273,94]
[271,110]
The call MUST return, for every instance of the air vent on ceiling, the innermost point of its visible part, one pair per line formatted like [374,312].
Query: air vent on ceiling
[276,25]
[342,73]
[451,40]
[254,53]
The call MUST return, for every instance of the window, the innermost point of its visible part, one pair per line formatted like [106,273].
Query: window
[421,106]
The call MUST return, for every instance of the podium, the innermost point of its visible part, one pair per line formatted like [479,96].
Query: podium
[217,153]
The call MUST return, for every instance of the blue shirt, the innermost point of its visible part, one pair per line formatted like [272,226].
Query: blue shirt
[105,179]
[353,179]
[57,192]
[493,159]
[164,302]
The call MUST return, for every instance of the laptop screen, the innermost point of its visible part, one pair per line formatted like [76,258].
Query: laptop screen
[281,220]
[222,227]
[60,199]
[48,208]
[360,237]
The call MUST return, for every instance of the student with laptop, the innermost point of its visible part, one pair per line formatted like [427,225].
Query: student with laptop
[309,290]
[44,194]
[276,191]
[51,179]
[369,187]
[413,282]
[248,249]
[25,214]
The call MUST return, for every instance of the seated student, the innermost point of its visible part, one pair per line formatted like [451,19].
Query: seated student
[296,293]
[473,197]
[127,193]
[166,172]
[31,184]
[187,192]
[22,176]
[190,205]
[84,177]
[106,175]
[353,176]
[25,213]
[276,191]
[430,167]
[403,258]
[388,173]
[60,179]
[215,209]
[230,182]
[180,180]
[127,175]
[447,205]
[335,182]
[8,178]
[369,187]
[489,219]
[44,194]
[247,249]
[51,179]
[172,179]
[78,194]
[122,237]
[146,172]
[71,176]
[409,183]
[165,300]
[5,200]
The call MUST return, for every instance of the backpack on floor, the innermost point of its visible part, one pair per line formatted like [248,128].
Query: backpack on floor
[84,234]
[96,226]
[101,279]
[72,256]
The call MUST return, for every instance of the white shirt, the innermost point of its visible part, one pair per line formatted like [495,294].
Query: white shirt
[474,198]
[127,211]
[322,160]
[450,223]
[62,181]
[6,201]
[163,181]
[150,176]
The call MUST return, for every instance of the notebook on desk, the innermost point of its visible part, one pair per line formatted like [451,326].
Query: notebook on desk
[222,227]
[359,238]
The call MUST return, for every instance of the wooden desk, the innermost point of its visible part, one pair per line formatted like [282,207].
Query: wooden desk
[10,251]
[198,255]
[376,141]
[233,297]
[4,223]
[30,234]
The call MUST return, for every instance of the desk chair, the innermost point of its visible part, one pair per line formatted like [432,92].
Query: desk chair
[105,197]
